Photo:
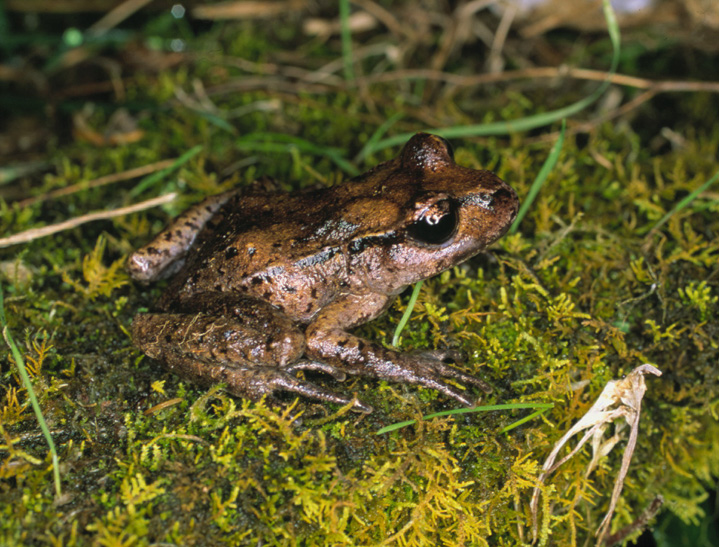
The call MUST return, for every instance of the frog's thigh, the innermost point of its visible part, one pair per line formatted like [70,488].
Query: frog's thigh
[254,355]
[215,348]
[213,339]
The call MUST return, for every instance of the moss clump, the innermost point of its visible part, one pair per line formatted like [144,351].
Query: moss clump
[582,294]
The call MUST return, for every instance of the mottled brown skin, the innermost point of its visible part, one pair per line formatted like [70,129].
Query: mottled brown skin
[270,284]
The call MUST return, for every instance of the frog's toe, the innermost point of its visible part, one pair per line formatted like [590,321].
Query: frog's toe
[435,374]
[359,406]
[287,382]
[317,366]
[448,390]
[450,372]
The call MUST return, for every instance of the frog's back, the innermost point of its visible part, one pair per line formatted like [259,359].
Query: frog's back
[289,249]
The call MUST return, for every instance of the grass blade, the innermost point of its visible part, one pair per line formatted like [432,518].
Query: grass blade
[12,172]
[377,135]
[346,37]
[279,142]
[540,408]
[525,419]
[684,202]
[31,393]
[549,164]
[407,313]
[151,180]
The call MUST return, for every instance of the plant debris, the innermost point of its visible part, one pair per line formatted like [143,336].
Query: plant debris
[619,399]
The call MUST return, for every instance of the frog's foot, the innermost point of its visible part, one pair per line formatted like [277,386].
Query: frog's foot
[255,382]
[360,357]
[432,373]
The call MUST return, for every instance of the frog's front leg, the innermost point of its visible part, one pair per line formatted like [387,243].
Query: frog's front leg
[164,255]
[328,341]
[247,344]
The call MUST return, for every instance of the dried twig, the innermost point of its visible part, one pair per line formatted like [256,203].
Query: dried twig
[117,15]
[458,31]
[36,233]
[495,62]
[247,9]
[386,17]
[543,72]
[100,181]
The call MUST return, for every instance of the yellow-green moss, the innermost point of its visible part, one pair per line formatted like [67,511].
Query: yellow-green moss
[579,296]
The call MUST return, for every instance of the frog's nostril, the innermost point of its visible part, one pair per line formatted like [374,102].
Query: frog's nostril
[505,198]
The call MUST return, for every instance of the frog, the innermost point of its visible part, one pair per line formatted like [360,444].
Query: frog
[266,285]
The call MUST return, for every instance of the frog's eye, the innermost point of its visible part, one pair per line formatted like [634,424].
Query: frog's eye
[436,224]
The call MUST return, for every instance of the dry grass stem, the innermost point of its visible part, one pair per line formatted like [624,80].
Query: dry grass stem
[640,523]
[387,18]
[117,15]
[245,10]
[36,233]
[544,72]
[100,181]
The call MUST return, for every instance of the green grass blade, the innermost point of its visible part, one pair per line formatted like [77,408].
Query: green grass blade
[685,201]
[549,164]
[31,393]
[488,408]
[394,427]
[407,313]
[278,142]
[523,420]
[540,408]
[12,172]
[216,120]
[346,37]
[377,135]
[154,178]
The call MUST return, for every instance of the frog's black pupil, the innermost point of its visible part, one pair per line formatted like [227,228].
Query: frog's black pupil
[435,231]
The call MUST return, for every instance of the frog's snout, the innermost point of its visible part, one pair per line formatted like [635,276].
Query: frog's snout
[505,200]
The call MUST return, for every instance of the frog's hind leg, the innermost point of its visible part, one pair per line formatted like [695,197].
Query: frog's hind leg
[165,254]
[252,359]
[328,341]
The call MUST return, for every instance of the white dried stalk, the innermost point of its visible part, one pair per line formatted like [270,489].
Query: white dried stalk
[618,399]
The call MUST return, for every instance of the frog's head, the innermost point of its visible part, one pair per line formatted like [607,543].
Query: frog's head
[453,213]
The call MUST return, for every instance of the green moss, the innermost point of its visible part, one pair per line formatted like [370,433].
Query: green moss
[581,295]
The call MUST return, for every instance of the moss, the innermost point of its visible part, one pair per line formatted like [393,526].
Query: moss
[581,295]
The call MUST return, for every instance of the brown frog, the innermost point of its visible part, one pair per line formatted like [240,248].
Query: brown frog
[270,284]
